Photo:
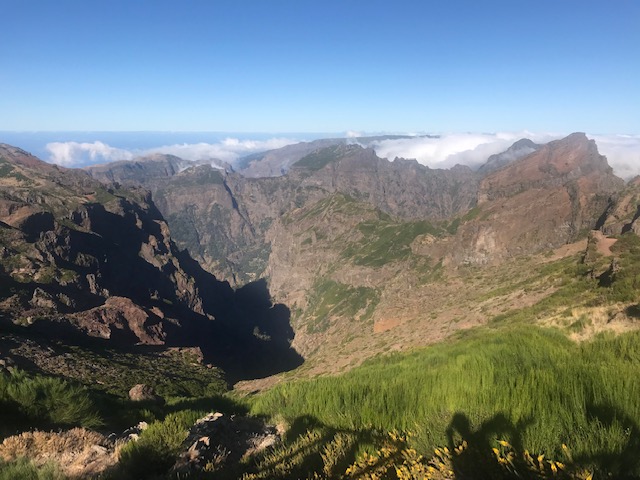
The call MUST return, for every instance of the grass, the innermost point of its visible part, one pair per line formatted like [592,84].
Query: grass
[23,469]
[330,298]
[171,374]
[545,389]
[385,241]
[319,159]
[156,449]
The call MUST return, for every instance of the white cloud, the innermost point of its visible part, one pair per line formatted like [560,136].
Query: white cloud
[72,154]
[446,150]
[622,152]
[228,150]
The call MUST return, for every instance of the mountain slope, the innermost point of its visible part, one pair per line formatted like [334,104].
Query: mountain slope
[78,260]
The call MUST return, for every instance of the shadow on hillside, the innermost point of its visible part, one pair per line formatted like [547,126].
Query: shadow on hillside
[495,450]
[478,459]
[310,449]
[625,464]
[253,339]
[250,337]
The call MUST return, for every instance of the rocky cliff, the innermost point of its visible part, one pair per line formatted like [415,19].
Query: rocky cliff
[79,259]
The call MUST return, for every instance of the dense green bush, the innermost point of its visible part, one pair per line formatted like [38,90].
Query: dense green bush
[45,402]
[156,449]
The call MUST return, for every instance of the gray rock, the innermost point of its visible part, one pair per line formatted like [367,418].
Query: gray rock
[144,393]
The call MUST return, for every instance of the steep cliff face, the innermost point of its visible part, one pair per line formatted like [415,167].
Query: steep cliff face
[147,169]
[80,259]
[359,248]
[401,188]
[228,221]
[69,244]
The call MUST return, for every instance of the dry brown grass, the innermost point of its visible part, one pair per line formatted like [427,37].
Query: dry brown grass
[80,453]
[590,321]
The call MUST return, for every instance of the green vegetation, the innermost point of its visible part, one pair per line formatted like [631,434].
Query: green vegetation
[385,241]
[23,469]
[336,204]
[45,402]
[452,227]
[201,175]
[319,159]
[545,390]
[156,449]
[331,298]
[173,374]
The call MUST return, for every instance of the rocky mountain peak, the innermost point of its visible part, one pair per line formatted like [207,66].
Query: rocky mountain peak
[518,150]
[555,163]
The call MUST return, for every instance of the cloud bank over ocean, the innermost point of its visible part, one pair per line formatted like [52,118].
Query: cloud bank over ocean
[76,154]
[442,151]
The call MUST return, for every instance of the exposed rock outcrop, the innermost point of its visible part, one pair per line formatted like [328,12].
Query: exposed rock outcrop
[217,440]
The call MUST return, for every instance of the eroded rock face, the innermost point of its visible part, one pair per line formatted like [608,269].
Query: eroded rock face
[79,453]
[82,259]
[120,318]
[101,260]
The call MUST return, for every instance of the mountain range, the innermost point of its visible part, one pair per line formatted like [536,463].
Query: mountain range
[319,251]
[302,263]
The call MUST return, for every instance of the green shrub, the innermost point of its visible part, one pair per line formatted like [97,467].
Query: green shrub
[23,469]
[545,389]
[156,449]
[38,401]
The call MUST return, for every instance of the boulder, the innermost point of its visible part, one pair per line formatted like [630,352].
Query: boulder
[144,393]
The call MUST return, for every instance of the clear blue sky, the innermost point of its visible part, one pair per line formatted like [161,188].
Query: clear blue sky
[320,66]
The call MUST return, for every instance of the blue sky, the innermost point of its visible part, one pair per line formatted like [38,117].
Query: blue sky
[320,66]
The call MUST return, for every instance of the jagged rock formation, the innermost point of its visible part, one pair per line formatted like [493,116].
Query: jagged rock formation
[223,218]
[142,169]
[217,441]
[80,259]
[547,199]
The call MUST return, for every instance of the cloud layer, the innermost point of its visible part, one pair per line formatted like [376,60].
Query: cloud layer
[75,154]
[447,150]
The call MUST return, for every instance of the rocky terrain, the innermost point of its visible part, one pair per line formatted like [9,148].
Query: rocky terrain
[81,260]
[342,235]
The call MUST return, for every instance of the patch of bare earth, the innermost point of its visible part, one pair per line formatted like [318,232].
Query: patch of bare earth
[603,243]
